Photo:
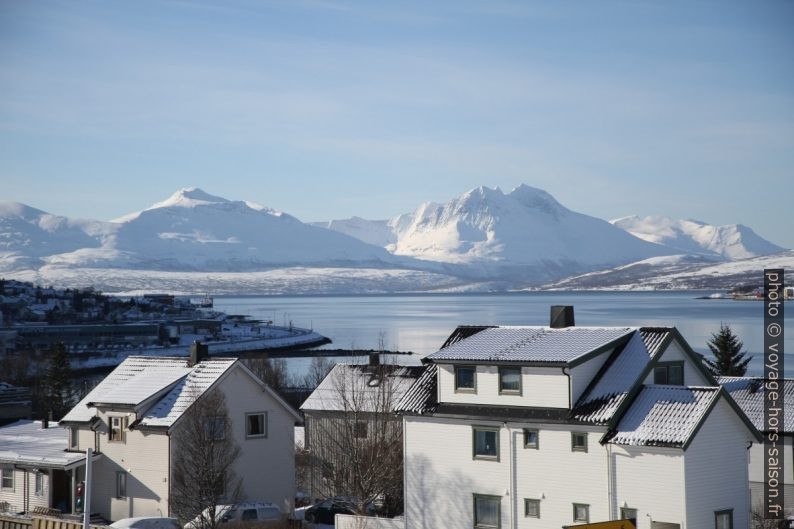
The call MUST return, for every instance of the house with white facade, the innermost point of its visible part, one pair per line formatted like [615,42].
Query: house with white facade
[544,427]
[35,470]
[132,416]
[749,393]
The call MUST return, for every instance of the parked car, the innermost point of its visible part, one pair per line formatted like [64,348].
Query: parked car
[245,512]
[325,511]
[146,523]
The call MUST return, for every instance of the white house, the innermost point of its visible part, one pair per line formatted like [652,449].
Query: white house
[748,392]
[543,427]
[131,416]
[35,471]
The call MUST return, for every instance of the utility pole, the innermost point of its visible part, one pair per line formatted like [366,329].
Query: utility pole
[89,456]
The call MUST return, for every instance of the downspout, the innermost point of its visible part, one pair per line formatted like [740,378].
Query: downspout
[747,469]
[405,473]
[512,489]
[570,389]
[610,481]
[168,503]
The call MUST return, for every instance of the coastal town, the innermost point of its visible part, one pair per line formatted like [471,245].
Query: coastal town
[460,440]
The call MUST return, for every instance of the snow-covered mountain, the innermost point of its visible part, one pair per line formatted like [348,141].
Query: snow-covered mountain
[191,230]
[678,272]
[523,234]
[732,241]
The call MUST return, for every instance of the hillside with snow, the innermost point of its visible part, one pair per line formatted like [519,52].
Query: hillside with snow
[523,235]
[731,241]
[484,240]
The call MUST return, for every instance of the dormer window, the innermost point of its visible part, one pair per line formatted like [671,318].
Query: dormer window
[671,373]
[510,380]
[117,427]
[74,438]
[466,378]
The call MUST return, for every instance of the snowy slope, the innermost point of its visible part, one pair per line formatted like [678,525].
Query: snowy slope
[679,272]
[732,241]
[28,234]
[191,230]
[524,234]
[377,232]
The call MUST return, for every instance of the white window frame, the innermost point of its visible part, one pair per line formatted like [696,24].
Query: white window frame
[527,503]
[38,485]
[122,424]
[121,485]
[248,434]
[5,471]
[586,506]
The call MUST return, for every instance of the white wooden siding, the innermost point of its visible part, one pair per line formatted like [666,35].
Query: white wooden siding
[717,470]
[15,497]
[540,386]
[583,374]
[651,480]
[441,475]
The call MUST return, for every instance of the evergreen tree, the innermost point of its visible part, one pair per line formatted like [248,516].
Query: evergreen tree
[729,360]
[58,382]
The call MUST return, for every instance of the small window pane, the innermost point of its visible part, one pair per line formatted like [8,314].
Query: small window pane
[530,438]
[39,484]
[486,511]
[675,375]
[581,513]
[660,375]
[532,508]
[248,514]
[486,443]
[579,442]
[116,429]
[73,437]
[255,424]
[121,484]
[360,430]
[724,520]
[510,379]
[7,477]
[215,428]
[464,377]
[628,513]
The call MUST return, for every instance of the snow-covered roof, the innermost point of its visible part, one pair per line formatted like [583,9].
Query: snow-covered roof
[530,344]
[26,442]
[748,392]
[143,378]
[663,415]
[362,387]
[621,371]
[422,396]
[171,406]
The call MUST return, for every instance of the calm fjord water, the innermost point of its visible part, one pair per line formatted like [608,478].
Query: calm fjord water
[421,323]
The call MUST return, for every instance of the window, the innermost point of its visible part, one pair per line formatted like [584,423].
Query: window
[669,373]
[39,490]
[465,378]
[360,430]
[74,437]
[256,424]
[723,519]
[121,484]
[215,428]
[578,442]
[7,477]
[487,511]
[117,425]
[486,443]
[248,514]
[530,438]
[627,513]
[531,508]
[581,512]
[510,380]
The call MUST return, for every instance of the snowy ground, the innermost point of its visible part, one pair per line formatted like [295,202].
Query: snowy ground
[295,280]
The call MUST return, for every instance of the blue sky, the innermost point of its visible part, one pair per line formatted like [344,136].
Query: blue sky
[327,109]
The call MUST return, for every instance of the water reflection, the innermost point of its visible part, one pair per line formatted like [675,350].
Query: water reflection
[420,323]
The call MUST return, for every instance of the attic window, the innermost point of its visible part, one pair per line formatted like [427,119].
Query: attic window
[117,427]
[671,373]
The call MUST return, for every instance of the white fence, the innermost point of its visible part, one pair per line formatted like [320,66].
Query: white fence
[352,521]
